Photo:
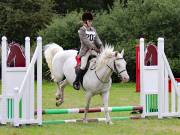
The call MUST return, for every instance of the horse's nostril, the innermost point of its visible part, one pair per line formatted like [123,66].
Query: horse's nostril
[127,79]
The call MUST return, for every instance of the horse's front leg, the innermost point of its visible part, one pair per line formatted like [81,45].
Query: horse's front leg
[60,92]
[88,100]
[105,98]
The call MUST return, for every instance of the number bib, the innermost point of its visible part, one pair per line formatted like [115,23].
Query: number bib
[91,35]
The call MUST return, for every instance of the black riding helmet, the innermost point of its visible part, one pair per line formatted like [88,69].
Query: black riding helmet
[87,16]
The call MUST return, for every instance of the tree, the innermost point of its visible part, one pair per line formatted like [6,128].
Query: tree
[65,6]
[143,18]
[19,18]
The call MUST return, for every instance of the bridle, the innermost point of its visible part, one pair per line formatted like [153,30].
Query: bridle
[114,69]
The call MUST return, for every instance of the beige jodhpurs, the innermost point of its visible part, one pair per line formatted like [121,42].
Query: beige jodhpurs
[84,58]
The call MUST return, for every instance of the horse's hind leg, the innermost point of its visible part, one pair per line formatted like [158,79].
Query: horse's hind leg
[105,98]
[60,92]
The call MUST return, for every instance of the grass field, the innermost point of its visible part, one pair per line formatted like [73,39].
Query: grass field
[120,95]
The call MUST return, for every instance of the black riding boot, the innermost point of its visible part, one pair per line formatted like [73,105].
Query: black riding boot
[79,75]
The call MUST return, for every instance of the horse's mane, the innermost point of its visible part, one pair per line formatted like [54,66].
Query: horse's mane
[105,55]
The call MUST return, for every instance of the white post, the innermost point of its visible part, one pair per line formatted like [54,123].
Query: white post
[4,110]
[16,107]
[173,98]
[1,108]
[27,50]
[178,104]
[160,77]
[3,73]
[30,83]
[4,64]
[142,92]
[26,95]
[39,81]
[166,91]
[31,93]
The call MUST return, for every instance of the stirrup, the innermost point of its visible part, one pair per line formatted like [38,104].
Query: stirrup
[76,85]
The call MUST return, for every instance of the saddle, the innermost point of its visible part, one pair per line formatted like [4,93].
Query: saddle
[91,64]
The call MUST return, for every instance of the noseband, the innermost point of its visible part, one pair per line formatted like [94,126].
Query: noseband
[115,68]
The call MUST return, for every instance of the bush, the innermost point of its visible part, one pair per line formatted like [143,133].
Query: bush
[63,31]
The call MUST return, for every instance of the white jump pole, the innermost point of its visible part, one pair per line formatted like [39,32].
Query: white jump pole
[3,71]
[39,82]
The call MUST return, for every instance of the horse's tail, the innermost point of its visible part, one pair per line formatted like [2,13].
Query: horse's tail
[50,51]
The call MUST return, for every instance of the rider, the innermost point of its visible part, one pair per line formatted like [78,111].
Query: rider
[90,45]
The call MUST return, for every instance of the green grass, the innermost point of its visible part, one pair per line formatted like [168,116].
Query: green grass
[120,95]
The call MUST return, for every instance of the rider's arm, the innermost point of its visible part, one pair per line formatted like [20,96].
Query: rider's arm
[85,40]
[97,41]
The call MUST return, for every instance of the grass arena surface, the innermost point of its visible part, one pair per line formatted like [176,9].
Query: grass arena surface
[120,95]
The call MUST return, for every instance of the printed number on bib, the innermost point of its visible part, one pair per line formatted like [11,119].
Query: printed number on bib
[90,35]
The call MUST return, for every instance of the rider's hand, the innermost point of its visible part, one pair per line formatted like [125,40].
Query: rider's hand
[97,50]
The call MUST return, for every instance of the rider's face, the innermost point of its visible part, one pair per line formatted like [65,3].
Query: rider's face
[89,23]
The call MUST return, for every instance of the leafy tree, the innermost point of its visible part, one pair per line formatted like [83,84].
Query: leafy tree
[63,31]
[65,6]
[149,19]
[20,18]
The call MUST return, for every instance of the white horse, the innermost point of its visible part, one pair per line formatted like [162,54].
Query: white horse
[97,80]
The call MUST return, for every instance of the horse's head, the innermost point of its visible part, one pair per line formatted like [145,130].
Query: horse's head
[119,66]
[114,61]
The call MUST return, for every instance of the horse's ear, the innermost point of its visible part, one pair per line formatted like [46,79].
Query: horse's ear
[122,52]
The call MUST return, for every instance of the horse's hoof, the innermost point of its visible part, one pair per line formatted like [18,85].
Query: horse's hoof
[85,121]
[76,85]
[57,98]
[59,103]
[109,122]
